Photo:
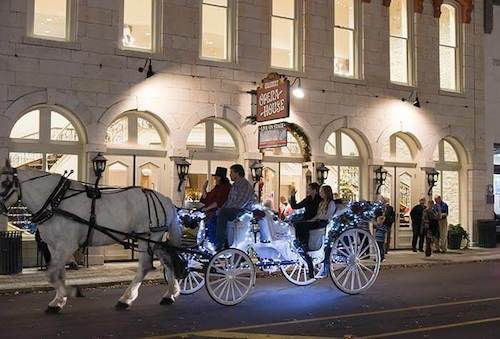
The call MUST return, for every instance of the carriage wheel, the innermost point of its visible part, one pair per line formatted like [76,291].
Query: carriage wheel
[298,273]
[230,276]
[354,261]
[194,280]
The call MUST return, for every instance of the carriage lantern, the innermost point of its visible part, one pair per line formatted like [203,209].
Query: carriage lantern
[322,173]
[182,171]
[99,163]
[380,176]
[432,179]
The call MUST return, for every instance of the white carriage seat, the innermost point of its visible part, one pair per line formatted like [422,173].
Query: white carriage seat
[238,230]
[316,239]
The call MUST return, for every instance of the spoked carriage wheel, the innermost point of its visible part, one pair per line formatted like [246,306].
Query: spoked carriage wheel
[298,273]
[354,261]
[195,280]
[230,276]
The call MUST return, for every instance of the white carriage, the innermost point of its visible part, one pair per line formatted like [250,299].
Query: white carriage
[259,240]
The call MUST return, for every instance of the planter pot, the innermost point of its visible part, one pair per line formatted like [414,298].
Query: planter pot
[454,241]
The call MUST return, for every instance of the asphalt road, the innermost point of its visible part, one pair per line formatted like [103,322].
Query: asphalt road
[451,301]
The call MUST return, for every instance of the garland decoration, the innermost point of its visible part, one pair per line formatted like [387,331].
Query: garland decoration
[302,139]
[356,215]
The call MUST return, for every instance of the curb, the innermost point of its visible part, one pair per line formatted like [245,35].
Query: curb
[156,281]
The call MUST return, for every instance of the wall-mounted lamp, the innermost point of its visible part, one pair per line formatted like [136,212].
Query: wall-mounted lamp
[150,72]
[415,102]
[432,179]
[297,92]
[380,177]
[322,173]
[99,165]
[256,169]
[182,171]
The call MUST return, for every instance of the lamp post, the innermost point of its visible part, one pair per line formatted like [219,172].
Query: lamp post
[380,177]
[182,171]
[99,165]
[322,173]
[432,179]
[257,168]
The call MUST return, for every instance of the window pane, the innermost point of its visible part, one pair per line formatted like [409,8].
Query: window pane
[330,146]
[214,31]
[291,176]
[222,138]
[284,8]
[61,129]
[117,133]
[447,68]
[349,148]
[344,13]
[447,26]
[496,159]
[398,20]
[282,43]
[451,195]
[117,175]
[58,163]
[402,151]
[333,178]
[216,2]
[50,18]
[449,152]
[399,60]
[344,52]
[26,160]
[27,127]
[349,183]
[198,174]
[147,134]
[197,136]
[137,24]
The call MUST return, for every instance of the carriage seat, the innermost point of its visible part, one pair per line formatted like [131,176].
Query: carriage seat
[316,239]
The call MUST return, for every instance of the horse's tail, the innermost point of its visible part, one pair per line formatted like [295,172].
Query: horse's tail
[174,227]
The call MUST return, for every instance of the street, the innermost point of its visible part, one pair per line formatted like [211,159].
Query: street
[443,301]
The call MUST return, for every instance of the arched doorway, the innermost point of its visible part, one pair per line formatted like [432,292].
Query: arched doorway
[212,143]
[401,187]
[137,156]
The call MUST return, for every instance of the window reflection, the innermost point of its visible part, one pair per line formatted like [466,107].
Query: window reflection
[50,18]
[137,24]
[27,127]
[214,29]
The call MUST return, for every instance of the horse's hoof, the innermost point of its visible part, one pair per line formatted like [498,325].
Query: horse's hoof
[122,306]
[53,309]
[167,301]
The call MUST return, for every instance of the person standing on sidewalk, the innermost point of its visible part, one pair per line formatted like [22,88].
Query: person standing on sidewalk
[380,233]
[389,217]
[430,227]
[442,208]
[416,215]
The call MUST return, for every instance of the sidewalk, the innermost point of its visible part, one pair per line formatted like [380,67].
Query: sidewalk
[32,279]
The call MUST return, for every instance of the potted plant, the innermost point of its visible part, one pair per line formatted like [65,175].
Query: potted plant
[456,234]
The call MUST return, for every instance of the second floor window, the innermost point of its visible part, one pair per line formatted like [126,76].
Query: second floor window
[449,57]
[50,19]
[138,24]
[345,37]
[215,29]
[399,42]
[283,34]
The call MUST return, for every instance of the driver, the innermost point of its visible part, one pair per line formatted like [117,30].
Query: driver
[241,197]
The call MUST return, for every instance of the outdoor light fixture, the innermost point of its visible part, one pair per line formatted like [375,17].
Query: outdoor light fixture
[99,164]
[182,171]
[257,168]
[298,92]
[432,179]
[380,177]
[150,72]
[322,173]
[416,102]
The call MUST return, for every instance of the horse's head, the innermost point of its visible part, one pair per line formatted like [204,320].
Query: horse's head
[10,190]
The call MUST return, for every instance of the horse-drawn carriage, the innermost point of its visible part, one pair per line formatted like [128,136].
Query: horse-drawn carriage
[260,241]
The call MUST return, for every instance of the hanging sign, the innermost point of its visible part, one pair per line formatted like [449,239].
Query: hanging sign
[273,98]
[274,135]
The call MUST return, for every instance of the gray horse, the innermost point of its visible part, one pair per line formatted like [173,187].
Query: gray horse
[125,211]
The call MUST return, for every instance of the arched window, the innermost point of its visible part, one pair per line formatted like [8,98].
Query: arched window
[134,129]
[448,186]
[211,144]
[344,162]
[47,138]
[397,149]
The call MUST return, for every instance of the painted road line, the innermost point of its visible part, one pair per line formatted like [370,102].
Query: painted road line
[241,335]
[430,328]
[336,317]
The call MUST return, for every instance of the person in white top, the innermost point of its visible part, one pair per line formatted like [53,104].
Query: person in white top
[326,211]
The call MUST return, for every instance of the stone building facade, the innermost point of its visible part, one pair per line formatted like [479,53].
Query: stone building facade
[195,107]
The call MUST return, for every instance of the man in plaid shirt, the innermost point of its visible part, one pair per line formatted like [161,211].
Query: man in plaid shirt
[241,197]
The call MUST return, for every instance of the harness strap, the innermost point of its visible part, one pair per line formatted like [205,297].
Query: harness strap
[52,202]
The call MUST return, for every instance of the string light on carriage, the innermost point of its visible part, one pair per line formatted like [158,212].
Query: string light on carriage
[322,173]
[182,171]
